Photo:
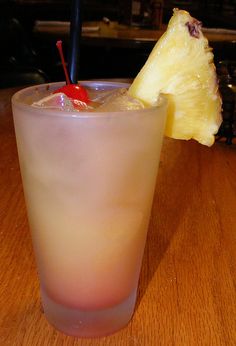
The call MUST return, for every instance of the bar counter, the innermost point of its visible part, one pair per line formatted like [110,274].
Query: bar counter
[114,34]
[187,285]
[114,50]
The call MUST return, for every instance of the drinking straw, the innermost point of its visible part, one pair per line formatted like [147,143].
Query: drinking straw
[75,37]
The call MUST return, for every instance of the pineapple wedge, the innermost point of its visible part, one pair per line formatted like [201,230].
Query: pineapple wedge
[181,66]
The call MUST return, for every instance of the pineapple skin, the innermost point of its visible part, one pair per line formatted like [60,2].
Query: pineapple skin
[181,66]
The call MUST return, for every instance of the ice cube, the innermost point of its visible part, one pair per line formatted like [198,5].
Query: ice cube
[57,101]
[120,101]
[101,95]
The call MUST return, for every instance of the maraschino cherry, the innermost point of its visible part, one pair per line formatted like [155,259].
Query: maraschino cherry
[75,92]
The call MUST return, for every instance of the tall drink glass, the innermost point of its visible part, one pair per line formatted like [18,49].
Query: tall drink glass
[89,181]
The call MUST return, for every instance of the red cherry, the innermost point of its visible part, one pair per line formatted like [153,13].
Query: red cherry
[74,91]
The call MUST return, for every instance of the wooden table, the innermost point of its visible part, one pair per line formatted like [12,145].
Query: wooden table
[187,286]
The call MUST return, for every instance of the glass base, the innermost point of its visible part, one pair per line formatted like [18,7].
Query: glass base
[88,323]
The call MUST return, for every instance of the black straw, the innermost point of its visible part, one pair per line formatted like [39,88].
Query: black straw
[75,37]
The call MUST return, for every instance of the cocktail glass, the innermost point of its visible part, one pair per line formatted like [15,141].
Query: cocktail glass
[89,180]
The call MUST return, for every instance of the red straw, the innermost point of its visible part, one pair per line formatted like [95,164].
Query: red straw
[59,47]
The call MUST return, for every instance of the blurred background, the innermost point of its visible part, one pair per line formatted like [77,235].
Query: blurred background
[118,36]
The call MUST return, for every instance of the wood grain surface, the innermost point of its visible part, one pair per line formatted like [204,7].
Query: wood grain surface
[188,278]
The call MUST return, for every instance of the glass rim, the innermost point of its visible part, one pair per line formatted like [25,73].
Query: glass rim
[16,102]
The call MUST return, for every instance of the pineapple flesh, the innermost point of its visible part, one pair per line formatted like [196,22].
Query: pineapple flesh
[181,66]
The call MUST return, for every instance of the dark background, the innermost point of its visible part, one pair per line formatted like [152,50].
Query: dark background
[22,52]
[214,13]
